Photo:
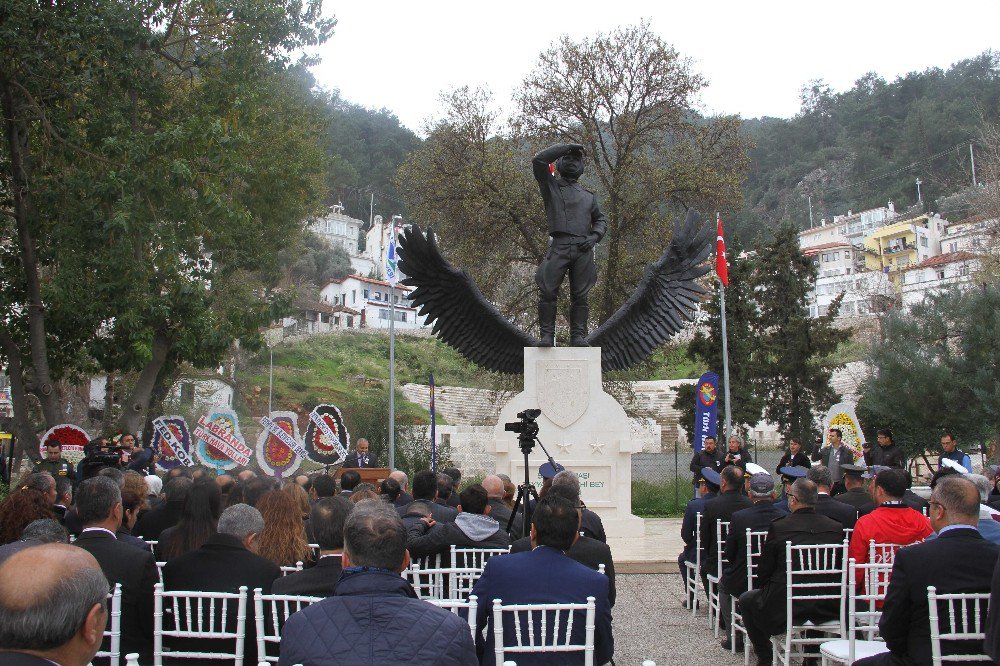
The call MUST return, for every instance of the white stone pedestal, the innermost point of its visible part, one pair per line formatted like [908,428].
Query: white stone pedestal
[583,428]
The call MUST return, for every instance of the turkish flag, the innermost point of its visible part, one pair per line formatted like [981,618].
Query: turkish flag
[721,267]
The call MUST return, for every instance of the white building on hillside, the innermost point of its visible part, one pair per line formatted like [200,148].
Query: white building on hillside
[371,299]
[851,228]
[937,274]
[338,229]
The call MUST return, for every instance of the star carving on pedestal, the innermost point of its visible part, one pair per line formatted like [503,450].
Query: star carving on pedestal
[564,447]
[598,447]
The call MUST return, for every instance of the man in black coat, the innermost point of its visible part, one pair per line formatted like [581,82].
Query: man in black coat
[404,486]
[827,506]
[65,583]
[425,492]
[586,551]
[958,560]
[722,508]
[472,528]
[227,561]
[152,523]
[763,609]
[855,494]
[708,487]
[710,457]
[795,456]
[887,453]
[494,489]
[757,518]
[99,503]
[327,520]
[359,457]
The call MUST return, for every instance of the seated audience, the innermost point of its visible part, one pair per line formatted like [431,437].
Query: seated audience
[708,487]
[327,519]
[227,561]
[763,609]
[757,518]
[300,497]
[586,550]
[989,528]
[590,523]
[891,522]
[199,517]
[152,523]
[20,508]
[283,540]
[958,560]
[58,614]
[226,484]
[825,504]
[425,490]
[855,493]
[495,491]
[389,490]
[349,480]
[404,485]
[720,508]
[245,475]
[323,485]
[446,489]
[155,496]
[509,491]
[99,502]
[44,530]
[456,480]
[472,528]
[361,494]
[788,476]
[546,575]
[64,497]
[913,500]
[256,488]
[131,505]
[375,607]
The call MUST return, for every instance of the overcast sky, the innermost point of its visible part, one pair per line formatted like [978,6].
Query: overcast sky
[756,56]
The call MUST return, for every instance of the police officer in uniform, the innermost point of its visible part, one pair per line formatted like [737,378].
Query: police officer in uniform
[788,477]
[856,495]
[576,225]
[54,463]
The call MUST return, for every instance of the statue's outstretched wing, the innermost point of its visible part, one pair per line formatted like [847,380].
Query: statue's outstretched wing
[665,298]
[461,315]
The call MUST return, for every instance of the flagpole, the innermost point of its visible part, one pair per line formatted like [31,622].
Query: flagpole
[433,433]
[725,339]
[391,261]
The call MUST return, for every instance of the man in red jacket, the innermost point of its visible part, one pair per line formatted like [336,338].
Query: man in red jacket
[891,521]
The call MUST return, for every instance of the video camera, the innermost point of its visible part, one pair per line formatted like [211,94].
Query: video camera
[97,456]
[527,427]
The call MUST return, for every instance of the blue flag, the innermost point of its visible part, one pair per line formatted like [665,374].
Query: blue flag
[706,409]
[390,259]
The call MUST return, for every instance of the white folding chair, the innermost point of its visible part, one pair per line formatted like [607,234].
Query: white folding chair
[269,624]
[473,561]
[812,573]
[963,622]
[694,568]
[862,616]
[132,659]
[714,594]
[287,570]
[113,631]
[202,615]
[553,633]
[755,543]
[457,605]
[442,583]
[159,570]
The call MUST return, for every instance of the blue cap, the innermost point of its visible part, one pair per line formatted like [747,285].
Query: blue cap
[711,476]
[793,472]
[548,471]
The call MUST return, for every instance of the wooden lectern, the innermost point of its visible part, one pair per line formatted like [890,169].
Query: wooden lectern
[372,475]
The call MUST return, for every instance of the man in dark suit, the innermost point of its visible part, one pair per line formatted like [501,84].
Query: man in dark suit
[425,490]
[152,523]
[494,489]
[958,560]
[65,583]
[722,508]
[789,475]
[359,457]
[855,494]
[590,523]
[349,480]
[547,575]
[834,456]
[757,518]
[99,503]
[227,561]
[708,488]
[323,485]
[404,486]
[327,520]
[826,505]
[763,609]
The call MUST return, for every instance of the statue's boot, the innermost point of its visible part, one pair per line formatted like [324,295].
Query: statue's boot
[547,324]
[579,314]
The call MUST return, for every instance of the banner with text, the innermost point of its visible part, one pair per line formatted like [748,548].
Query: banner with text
[706,410]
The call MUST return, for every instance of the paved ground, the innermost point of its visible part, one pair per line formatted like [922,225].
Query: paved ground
[650,624]
[656,552]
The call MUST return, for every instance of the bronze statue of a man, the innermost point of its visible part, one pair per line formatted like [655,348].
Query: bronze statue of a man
[576,225]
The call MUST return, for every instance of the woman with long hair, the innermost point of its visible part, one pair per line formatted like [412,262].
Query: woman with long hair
[283,540]
[299,496]
[21,507]
[199,520]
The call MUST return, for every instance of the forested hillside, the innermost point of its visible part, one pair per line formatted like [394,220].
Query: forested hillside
[860,148]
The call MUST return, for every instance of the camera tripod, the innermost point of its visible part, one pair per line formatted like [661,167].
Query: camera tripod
[526,491]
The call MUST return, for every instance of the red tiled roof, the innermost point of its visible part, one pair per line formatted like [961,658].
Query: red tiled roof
[401,287]
[809,251]
[344,309]
[944,259]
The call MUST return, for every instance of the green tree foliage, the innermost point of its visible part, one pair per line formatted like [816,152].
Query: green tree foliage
[791,375]
[140,178]
[314,262]
[865,146]
[937,369]
[742,313]
[627,96]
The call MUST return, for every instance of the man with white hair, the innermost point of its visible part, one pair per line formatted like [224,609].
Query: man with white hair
[399,476]
[495,490]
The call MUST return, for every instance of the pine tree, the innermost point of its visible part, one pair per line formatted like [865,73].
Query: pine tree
[791,345]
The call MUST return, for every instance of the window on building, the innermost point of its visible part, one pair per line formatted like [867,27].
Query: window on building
[963,270]
[383,314]
[324,318]
[378,295]
[952,247]
[350,322]
[402,316]
[354,295]
[336,320]
[923,241]
[366,293]
[940,275]
[187,394]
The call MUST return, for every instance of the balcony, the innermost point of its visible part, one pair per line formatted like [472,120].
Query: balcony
[899,247]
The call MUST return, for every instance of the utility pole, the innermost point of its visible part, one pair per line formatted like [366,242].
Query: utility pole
[972,156]
[920,198]
[810,212]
